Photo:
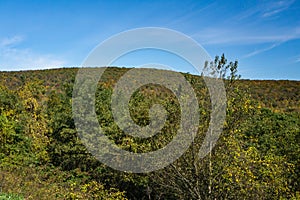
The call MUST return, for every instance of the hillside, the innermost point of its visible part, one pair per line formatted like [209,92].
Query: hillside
[280,95]
[256,157]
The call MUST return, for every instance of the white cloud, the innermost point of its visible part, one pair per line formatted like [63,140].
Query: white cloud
[249,26]
[276,42]
[261,50]
[276,7]
[238,36]
[179,20]
[11,41]
[265,9]
[14,58]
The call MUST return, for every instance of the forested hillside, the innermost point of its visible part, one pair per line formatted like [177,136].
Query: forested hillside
[41,156]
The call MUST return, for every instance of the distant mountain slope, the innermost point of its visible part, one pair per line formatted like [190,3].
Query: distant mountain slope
[279,95]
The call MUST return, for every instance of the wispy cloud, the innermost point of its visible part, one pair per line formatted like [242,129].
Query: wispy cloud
[261,50]
[242,28]
[276,7]
[11,41]
[12,57]
[179,20]
[237,36]
[293,35]
[265,9]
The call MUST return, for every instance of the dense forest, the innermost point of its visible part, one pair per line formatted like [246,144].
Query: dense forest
[256,157]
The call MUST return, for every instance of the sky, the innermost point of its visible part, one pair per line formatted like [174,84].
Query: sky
[264,35]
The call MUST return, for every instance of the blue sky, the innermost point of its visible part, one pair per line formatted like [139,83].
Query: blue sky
[264,36]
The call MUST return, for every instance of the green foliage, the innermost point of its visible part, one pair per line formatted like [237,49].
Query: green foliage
[42,157]
[277,134]
[4,196]
[237,168]
[279,96]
